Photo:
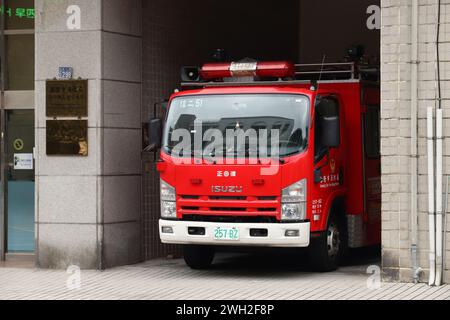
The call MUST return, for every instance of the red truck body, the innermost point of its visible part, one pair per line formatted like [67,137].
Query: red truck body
[350,174]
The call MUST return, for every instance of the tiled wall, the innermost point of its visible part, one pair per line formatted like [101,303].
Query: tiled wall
[160,72]
[396,121]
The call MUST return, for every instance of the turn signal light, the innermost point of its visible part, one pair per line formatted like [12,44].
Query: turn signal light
[167,230]
[292,233]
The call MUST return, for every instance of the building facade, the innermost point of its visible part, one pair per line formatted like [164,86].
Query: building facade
[101,210]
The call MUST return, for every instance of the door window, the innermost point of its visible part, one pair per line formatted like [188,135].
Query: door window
[18,41]
[20,181]
[372,132]
[19,14]
[20,62]
[327,107]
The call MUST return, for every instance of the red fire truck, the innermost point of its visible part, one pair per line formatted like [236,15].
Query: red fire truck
[323,188]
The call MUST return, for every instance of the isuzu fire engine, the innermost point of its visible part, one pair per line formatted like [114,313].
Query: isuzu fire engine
[322,191]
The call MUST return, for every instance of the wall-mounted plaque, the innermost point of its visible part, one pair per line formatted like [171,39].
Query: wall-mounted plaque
[67,98]
[65,73]
[67,137]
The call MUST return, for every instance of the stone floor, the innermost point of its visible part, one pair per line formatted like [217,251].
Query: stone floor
[265,276]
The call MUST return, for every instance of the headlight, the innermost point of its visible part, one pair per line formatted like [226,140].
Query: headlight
[293,211]
[295,193]
[293,202]
[168,210]
[168,198]
[167,192]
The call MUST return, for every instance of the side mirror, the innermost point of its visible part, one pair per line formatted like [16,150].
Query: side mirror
[330,132]
[154,134]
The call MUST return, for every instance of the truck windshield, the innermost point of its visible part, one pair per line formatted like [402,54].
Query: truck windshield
[287,114]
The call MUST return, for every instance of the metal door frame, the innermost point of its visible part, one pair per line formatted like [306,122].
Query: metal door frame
[3,184]
[3,133]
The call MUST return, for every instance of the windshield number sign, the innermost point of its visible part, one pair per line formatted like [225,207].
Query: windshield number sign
[191,103]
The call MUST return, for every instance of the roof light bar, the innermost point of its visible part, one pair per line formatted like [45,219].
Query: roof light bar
[271,69]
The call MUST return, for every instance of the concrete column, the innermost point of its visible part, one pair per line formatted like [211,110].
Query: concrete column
[88,209]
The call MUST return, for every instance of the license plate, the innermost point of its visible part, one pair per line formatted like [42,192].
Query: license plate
[227,234]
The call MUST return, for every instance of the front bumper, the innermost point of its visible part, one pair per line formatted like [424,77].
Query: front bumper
[275,234]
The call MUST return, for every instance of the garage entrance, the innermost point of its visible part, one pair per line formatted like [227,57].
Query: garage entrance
[176,34]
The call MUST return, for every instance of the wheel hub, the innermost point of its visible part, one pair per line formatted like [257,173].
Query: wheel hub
[333,240]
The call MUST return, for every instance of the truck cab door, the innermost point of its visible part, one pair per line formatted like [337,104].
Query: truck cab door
[328,157]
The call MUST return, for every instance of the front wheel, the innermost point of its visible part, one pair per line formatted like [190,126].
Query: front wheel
[327,251]
[198,257]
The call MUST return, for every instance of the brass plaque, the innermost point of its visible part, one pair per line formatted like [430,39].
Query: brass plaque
[67,98]
[67,137]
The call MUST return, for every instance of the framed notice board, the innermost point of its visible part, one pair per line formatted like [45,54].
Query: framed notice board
[67,137]
[67,98]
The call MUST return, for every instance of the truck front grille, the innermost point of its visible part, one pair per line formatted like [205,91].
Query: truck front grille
[227,209]
[250,206]
[229,219]
[226,198]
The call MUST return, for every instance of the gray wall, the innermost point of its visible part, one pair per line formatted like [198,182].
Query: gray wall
[396,122]
[88,209]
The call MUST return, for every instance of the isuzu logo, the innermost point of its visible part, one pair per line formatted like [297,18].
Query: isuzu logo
[227,189]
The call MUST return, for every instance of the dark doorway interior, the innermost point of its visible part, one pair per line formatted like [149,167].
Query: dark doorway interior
[179,33]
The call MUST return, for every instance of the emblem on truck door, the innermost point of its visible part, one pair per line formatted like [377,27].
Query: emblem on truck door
[226,174]
[227,189]
[333,166]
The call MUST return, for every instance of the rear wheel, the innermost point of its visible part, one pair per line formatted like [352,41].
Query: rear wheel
[327,251]
[198,257]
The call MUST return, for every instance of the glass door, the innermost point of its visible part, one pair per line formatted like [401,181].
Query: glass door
[20,181]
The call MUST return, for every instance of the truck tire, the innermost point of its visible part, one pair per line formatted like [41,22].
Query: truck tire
[198,257]
[328,250]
